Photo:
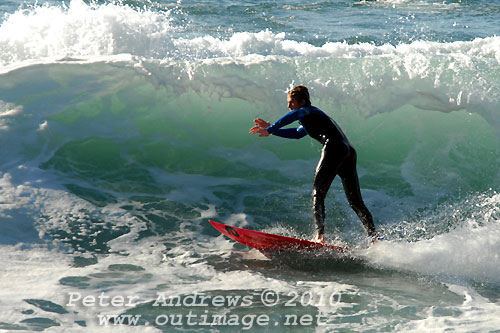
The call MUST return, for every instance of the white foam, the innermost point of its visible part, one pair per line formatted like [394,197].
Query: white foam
[469,252]
[29,273]
[475,314]
[80,30]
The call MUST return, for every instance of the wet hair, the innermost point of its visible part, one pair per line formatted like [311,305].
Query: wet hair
[300,93]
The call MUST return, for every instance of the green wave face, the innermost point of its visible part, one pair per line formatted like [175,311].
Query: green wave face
[118,132]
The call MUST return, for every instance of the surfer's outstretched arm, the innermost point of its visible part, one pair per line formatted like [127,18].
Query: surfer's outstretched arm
[264,128]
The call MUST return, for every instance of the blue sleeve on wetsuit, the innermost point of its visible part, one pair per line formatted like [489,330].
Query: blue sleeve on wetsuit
[290,133]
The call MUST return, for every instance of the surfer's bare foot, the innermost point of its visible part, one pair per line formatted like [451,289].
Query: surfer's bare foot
[320,238]
[375,239]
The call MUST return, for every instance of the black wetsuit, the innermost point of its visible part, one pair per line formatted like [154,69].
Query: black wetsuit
[338,157]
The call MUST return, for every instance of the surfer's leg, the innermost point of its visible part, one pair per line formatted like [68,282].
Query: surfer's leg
[323,178]
[350,181]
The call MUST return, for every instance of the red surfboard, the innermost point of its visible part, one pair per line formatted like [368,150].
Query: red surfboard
[269,242]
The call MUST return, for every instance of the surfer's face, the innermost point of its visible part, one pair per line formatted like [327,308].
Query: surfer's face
[294,103]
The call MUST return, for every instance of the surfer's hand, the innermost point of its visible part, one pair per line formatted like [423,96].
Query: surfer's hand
[262,123]
[320,238]
[260,127]
[260,130]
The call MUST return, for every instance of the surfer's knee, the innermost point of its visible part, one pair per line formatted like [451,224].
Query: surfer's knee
[318,194]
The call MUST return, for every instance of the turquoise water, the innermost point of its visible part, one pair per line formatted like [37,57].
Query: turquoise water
[124,129]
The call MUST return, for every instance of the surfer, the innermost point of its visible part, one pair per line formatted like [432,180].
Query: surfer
[338,157]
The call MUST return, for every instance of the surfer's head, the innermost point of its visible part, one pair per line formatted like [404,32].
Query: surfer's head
[298,97]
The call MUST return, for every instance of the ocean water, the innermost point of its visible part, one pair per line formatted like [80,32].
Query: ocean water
[124,128]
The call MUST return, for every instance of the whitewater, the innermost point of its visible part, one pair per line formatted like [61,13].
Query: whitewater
[124,128]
